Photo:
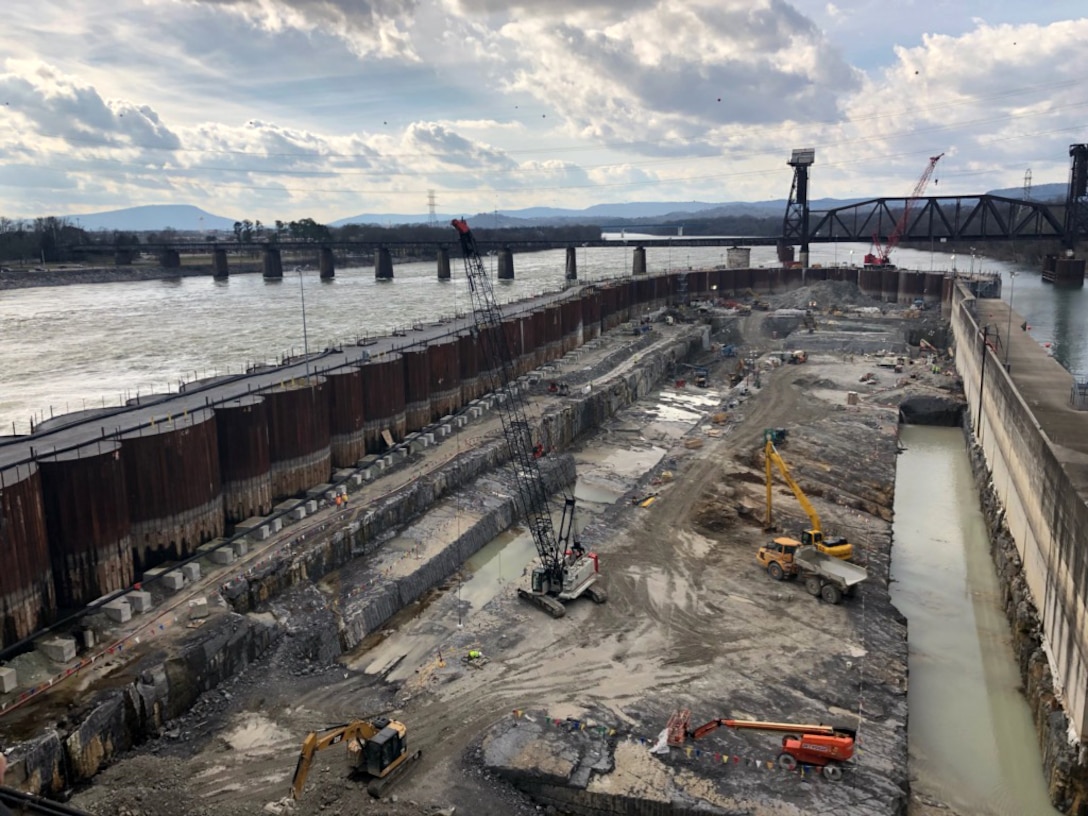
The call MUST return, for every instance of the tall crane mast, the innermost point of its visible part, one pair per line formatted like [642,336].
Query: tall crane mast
[880,254]
[565,571]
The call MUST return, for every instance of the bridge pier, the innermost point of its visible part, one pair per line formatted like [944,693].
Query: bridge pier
[572,264]
[443,263]
[1065,271]
[326,263]
[383,264]
[738,257]
[124,257]
[638,261]
[169,259]
[220,269]
[271,264]
[506,264]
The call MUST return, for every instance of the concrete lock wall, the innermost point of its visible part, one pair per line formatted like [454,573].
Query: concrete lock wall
[1045,514]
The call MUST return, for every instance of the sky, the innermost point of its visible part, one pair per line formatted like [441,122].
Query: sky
[289,109]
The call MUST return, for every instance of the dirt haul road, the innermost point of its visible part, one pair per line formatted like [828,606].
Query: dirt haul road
[691,622]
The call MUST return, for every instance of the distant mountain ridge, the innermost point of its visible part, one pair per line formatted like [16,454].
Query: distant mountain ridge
[188,218]
[152,218]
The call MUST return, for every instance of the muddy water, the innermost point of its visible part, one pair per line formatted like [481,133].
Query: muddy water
[972,742]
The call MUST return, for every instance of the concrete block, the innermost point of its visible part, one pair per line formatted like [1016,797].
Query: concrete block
[240,547]
[460,421]
[357,478]
[429,437]
[58,649]
[475,413]
[444,431]
[9,679]
[87,637]
[298,513]
[401,454]
[118,611]
[198,608]
[222,556]
[275,525]
[154,572]
[330,496]
[174,580]
[381,465]
[259,533]
[318,491]
[367,474]
[311,507]
[141,601]
[191,572]
[249,524]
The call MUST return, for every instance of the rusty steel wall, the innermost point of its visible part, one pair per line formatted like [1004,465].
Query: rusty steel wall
[383,401]
[743,281]
[444,358]
[697,283]
[571,312]
[26,580]
[417,388]
[490,376]
[869,281]
[175,500]
[591,315]
[245,465]
[553,331]
[816,274]
[889,285]
[298,435]
[469,357]
[511,336]
[87,520]
[527,330]
[793,278]
[761,281]
[609,308]
[911,285]
[933,287]
[347,439]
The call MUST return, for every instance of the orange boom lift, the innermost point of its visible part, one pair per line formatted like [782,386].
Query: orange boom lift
[825,746]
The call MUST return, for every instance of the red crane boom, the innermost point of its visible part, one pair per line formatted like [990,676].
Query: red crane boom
[880,254]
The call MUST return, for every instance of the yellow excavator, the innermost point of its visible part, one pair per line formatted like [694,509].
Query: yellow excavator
[837,547]
[377,748]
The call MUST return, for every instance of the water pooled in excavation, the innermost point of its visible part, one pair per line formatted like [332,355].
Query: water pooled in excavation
[972,742]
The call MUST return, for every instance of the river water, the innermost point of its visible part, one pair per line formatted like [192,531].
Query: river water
[69,347]
[972,742]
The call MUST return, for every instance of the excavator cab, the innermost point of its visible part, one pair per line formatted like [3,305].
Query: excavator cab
[385,747]
[835,546]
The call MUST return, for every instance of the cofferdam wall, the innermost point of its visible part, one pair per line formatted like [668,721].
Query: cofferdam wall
[1039,485]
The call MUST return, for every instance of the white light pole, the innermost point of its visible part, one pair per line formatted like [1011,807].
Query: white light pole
[851,258]
[1008,330]
[972,260]
[953,263]
[305,336]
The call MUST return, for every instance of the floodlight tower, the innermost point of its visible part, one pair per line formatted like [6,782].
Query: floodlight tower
[795,224]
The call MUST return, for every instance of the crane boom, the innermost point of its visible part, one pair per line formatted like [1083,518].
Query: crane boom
[565,571]
[881,257]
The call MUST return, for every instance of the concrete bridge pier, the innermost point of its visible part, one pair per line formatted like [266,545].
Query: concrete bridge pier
[124,257]
[506,264]
[220,269]
[443,263]
[638,261]
[326,263]
[383,265]
[170,259]
[572,264]
[271,264]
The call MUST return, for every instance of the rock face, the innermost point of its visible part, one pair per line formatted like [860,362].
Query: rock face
[929,410]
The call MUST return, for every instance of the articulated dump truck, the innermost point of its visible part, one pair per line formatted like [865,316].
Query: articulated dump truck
[823,575]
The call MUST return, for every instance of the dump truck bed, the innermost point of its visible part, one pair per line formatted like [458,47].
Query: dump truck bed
[835,569]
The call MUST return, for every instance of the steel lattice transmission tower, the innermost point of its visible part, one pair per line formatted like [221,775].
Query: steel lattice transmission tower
[433,216]
[1076,201]
[1027,184]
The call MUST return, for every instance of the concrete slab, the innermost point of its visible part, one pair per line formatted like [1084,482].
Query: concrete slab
[9,680]
[155,573]
[217,553]
[58,649]
[140,601]
[173,580]
[251,523]
[118,611]
[317,491]
[198,608]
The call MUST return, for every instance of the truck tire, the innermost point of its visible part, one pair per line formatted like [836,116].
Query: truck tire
[787,762]
[831,593]
[832,773]
[813,585]
[774,569]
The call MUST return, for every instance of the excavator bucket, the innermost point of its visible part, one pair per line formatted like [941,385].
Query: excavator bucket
[678,727]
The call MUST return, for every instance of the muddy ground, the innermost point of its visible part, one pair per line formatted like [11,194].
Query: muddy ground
[691,621]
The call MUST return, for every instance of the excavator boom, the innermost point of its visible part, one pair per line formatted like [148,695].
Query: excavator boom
[379,748]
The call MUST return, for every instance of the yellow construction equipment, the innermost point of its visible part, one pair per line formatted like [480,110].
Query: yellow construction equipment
[378,748]
[838,547]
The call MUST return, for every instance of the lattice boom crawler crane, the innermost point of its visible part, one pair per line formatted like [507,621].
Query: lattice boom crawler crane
[566,571]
